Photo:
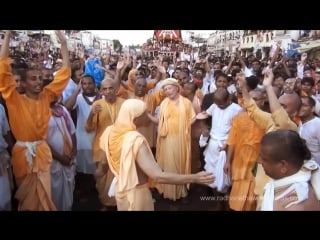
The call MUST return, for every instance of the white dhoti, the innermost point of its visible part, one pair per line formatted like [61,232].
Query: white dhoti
[214,163]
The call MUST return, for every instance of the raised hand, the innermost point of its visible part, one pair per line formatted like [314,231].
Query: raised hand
[61,36]
[241,81]
[268,78]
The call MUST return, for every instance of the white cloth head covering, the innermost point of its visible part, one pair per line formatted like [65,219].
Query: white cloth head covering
[169,81]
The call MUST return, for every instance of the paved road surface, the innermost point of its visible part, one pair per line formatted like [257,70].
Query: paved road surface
[194,202]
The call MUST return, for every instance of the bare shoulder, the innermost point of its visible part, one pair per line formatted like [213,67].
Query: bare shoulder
[288,202]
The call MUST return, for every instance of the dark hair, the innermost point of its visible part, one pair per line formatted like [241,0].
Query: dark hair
[287,145]
[208,100]
[22,72]
[307,80]
[282,75]
[311,101]
[234,72]
[185,70]
[221,75]
[91,77]
[217,73]
[19,63]
[252,82]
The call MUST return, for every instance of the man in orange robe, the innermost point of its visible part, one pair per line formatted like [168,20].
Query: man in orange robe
[103,114]
[29,116]
[243,151]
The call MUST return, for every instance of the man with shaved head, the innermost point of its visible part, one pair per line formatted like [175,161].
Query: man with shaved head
[283,110]
[283,115]
[103,114]
[243,151]
[222,111]
[152,100]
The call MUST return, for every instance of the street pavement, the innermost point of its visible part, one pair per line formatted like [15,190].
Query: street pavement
[200,198]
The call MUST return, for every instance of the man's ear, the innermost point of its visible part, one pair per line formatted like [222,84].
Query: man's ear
[283,166]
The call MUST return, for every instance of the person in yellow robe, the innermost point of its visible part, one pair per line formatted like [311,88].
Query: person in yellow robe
[283,116]
[174,138]
[152,100]
[103,114]
[29,116]
[243,151]
[132,162]
[125,90]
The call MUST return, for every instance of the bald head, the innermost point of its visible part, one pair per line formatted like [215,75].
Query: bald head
[110,80]
[291,103]
[222,94]
[140,87]
[222,98]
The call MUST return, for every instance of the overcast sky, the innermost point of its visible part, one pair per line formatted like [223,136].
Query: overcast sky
[133,37]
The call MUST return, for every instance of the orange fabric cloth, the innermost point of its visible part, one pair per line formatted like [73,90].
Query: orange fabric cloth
[122,155]
[29,121]
[103,119]
[245,136]
[131,82]
[122,92]
[174,143]
[100,122]
[121,127]
[270,122]
[152,100]
[199,94]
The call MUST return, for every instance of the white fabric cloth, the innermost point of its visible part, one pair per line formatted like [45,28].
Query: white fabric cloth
[4,127]
[5,177]
[112,188]
[31,148]
[315,175]
[62,177]
[84,139]
[213,157]
[297,182]
[222,119]
[203,141]
[207,81]
[214,163]
[69,90]
[317,106]
[310,132]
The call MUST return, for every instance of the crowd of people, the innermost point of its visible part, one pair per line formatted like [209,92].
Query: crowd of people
[134,128]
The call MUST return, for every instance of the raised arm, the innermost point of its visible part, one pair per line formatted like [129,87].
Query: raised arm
[69,104]
[63,75]
[273,99]
[261,118]
[5,45]
[7,82]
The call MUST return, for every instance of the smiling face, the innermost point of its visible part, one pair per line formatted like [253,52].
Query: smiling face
[171,91]
[33,83]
